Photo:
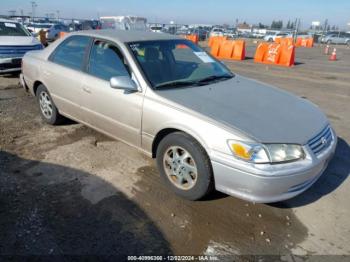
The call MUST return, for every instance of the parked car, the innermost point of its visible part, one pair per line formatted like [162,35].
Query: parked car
[124,23]
[258,35]
[202,34]
[207,127]
[231,33]
[156,29]
[271,37]
[216,32]
[35,28]
[182,31]
[15,41]
[337,38]
[54,31]
[91,25]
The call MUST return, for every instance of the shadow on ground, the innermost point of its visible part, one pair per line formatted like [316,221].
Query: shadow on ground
[39,216]
[336,173]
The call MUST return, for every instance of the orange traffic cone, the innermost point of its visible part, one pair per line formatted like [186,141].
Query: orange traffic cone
[333,56]
[326,50]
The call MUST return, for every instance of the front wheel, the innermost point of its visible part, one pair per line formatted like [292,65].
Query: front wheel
[185,166]
[48,109]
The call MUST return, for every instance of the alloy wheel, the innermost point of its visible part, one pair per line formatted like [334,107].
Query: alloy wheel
[180,167]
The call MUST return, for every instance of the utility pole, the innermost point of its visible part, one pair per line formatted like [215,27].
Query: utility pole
[325,27]
[58,15]
[22,16]
[34,5]
[297,25]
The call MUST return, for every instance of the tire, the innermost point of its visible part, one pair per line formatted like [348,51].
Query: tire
[329,42]
[197,161]
[270,40]
[48,110]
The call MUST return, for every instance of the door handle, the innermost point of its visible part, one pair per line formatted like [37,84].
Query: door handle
[86,89]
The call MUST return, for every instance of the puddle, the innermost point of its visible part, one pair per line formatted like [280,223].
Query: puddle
[218,225]
[81,132]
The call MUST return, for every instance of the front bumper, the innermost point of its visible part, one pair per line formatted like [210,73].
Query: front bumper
[279,182]
[10,65]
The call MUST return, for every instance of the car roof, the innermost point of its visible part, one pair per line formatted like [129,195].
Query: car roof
[126,35]
[8,21]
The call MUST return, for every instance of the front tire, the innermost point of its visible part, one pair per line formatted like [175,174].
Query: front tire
[185,166]
[48,110]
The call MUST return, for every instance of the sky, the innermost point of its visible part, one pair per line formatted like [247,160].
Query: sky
[194,11]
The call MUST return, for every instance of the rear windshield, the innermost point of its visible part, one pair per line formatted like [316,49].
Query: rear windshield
[46,26]
[12,29]
[156,28]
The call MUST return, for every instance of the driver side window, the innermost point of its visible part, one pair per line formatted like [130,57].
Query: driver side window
[106,61]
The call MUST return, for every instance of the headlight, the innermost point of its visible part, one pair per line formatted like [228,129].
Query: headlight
[249,152]
[284,152]
[265,153]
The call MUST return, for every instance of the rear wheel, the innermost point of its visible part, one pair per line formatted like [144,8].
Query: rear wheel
[48,109]
[329,42]
[184,166]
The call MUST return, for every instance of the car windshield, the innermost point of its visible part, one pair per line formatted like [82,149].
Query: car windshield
[12,29]
[175,63]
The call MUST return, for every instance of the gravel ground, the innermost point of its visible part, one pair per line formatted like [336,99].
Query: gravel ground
[68,190]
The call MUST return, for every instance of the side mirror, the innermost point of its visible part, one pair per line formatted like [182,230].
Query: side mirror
[123,82]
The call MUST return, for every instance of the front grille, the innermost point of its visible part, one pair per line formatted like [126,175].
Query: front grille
[5,66]
[11,51]
[321,141]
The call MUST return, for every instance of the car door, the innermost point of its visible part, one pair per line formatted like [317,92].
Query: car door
[113,111]
[337,38]
[63,75]
[342,38]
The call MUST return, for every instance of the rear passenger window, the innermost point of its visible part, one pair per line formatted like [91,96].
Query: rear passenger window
[106,61]
[71,52]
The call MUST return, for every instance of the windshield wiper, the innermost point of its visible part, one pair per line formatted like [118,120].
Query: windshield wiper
[213,77]
[176,84]
[193,82]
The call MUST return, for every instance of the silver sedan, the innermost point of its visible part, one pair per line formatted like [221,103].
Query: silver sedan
[207,127]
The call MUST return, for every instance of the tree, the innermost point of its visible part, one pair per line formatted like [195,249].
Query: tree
[262,26]
[277,24]
[288,25]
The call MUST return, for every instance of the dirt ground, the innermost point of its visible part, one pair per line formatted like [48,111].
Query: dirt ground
[70,190]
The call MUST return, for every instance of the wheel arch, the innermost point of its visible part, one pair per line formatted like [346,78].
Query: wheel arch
[36,84]
[168,130]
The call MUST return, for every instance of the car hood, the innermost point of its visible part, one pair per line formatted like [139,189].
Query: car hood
[265,113]
[18,40]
